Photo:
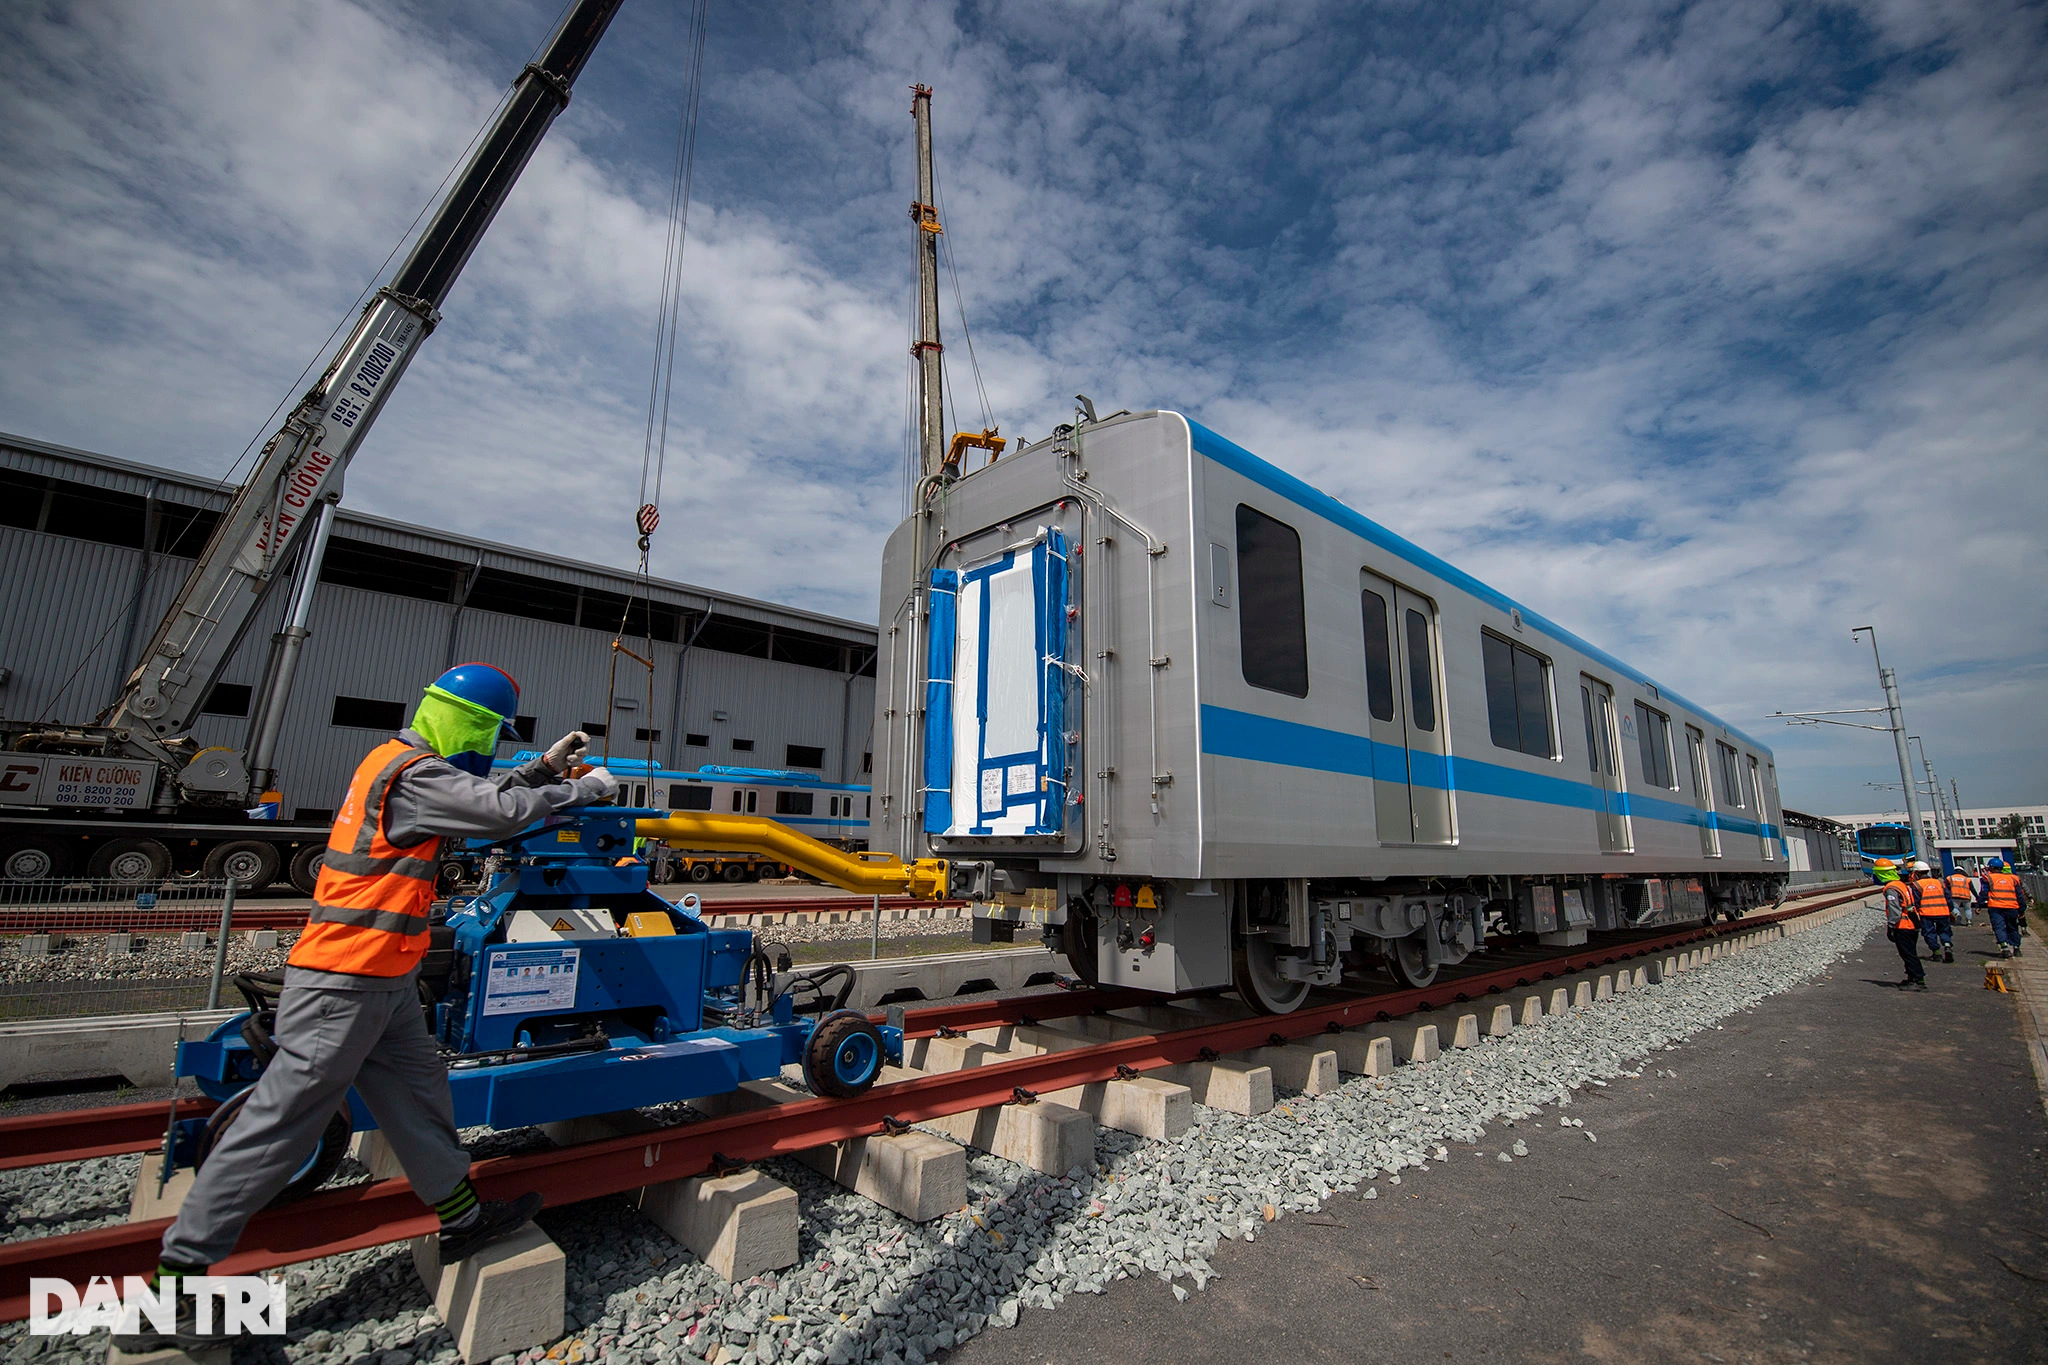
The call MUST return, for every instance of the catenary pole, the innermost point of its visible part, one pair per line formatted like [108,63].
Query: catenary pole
[1889,681]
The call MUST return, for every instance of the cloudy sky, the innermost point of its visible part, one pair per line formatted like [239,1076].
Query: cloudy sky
[1710,331]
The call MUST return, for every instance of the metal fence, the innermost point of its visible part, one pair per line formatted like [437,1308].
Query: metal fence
[80,947]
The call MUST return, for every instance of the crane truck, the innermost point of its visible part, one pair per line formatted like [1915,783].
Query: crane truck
[130,795]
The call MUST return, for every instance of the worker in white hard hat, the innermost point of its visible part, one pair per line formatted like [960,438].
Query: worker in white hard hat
[1937,915]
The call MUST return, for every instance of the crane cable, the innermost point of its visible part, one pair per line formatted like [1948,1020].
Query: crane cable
[661,380]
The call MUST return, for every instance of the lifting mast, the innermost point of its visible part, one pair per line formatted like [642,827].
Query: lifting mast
[931,413]
[300,472]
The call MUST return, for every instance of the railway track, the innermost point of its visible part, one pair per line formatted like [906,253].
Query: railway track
[361,1216]
[124,917]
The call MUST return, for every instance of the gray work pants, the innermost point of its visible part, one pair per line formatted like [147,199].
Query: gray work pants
[327,1039]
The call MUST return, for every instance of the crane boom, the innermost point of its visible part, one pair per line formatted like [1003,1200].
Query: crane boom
[303,462]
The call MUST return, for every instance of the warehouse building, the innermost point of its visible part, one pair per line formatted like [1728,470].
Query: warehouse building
[93,549]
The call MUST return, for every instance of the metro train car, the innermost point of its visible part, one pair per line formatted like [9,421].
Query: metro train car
[1202,725]
[835,812]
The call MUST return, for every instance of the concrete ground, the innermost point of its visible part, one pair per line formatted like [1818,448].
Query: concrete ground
[1847,1173]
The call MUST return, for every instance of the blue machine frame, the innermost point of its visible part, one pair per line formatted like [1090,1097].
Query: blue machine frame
[541,1031]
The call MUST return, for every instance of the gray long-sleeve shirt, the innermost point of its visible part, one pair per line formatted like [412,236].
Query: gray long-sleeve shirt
[432,797]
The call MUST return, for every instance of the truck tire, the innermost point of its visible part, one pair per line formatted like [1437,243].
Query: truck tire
[734,872]
[251,862]
[700,872]
[305,873]
[33,858]
[131,862]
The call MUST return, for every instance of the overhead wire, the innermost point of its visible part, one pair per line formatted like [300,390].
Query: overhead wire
[661,383]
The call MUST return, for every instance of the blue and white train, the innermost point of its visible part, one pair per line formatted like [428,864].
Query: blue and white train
[835,812]
[1204,725]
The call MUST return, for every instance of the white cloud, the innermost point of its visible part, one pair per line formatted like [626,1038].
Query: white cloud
[1693,327]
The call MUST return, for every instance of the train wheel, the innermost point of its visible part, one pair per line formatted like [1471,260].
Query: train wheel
[32,858]
[312,1173]
[1411,962]
[1077,941]
[251,862]
[1258,979]
[843,1056]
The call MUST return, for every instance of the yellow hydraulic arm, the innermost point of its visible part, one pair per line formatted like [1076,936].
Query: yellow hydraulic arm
[881,874]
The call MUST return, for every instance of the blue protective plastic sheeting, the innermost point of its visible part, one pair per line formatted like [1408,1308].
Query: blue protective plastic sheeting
[938,704]
[1052,634]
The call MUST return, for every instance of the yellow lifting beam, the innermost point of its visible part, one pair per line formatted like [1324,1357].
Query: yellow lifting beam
[882,874]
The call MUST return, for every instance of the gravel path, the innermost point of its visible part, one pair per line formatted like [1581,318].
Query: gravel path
[871,1286]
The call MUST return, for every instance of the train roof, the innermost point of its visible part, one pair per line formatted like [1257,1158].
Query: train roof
[1271,477]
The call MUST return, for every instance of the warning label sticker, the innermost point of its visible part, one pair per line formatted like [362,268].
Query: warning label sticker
[531,981]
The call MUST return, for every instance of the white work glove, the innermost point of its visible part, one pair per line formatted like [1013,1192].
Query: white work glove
[566,752]
[596,785]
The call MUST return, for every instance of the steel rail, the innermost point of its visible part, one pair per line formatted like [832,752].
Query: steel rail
[76,1134]
[126,918]
[369,1215]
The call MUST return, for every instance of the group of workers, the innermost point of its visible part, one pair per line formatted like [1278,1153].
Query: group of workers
[350,1011]
[1923,905]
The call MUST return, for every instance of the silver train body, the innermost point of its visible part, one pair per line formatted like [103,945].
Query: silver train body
[1205,725]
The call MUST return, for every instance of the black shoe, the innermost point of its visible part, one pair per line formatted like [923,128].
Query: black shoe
[1918,985]
[184,1335]
[1948,955]
[496,1220]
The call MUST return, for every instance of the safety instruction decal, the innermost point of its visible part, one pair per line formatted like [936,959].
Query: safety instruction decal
[531,981]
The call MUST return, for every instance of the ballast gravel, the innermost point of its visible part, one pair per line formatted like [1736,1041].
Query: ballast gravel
[872,1286]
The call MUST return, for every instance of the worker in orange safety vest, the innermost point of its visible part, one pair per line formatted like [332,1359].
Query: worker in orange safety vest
[1962,894]
[1937,917]
[349,1015]
[2004,897]
[1902,924]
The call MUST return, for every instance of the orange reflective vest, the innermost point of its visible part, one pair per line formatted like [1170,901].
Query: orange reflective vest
[370,905]
[1931,895]
[2002,890]
[1959,888]
[1899,897]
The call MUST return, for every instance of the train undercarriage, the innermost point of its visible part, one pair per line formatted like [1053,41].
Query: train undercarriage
[1275,939]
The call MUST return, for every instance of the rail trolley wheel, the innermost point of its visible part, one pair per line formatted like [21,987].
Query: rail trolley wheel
[843,1056]
[1077,941]
[1256,971]
[1411,962]
[313,1172]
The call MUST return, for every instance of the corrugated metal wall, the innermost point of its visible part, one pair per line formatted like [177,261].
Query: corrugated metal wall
[68,607]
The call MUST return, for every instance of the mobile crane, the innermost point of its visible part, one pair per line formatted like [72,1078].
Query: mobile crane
[116,796]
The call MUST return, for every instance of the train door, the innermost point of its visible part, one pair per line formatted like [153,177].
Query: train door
[1404,716]
[1603,756]
[1702,791]
[1763,810]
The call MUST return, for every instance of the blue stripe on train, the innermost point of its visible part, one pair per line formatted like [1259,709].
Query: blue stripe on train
[1263,739]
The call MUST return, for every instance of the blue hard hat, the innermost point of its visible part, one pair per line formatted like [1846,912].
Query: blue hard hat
[1996,865]
[487,686]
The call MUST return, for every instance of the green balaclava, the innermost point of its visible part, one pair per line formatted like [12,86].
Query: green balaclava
[454,726]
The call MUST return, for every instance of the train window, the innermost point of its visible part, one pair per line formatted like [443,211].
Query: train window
[689,796]
[1696,764]
[1731,783]
[793,803]
[753,802]
[1421,684]
[1517,696]
[1379,657]
[1592,744]
[1272,622]
[1653,737]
